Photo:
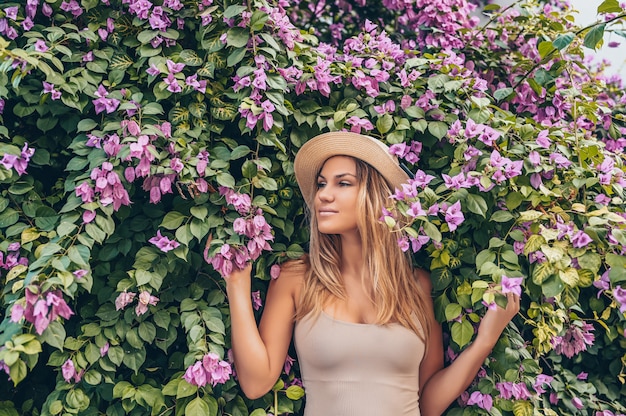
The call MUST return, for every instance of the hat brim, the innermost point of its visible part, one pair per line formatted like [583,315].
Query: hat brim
[312,155]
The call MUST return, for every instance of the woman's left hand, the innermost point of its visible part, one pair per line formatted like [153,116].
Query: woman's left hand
[495,320]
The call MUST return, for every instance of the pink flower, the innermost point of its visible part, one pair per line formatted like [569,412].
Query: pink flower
[163,243]
[454,216]
[80,273]
[257,303]
[578,404]
[275,271]
[40,45]
[173,67]
[172,83]
[484,401]
[69,371]
[104,349]
[221,374]
[620,297]
[581,239]
[512,285]
[145,299]
[196,375]
[209,369]
[123,299]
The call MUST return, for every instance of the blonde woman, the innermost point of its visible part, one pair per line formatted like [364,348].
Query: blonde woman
[361,317]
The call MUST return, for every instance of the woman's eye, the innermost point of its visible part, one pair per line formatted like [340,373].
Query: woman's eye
[345,184]
[321,184]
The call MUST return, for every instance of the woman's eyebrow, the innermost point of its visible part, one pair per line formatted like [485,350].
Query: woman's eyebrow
[338,176]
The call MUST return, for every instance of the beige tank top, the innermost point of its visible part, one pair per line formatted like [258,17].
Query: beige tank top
[351,369]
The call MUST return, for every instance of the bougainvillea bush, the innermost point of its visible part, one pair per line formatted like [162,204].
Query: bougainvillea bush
[146,149]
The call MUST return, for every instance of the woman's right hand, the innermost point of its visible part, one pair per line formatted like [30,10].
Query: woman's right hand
[240,279]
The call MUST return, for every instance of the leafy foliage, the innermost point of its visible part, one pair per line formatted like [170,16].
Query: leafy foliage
[146,147]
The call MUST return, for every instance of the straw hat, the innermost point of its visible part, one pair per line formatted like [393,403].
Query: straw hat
[316,151]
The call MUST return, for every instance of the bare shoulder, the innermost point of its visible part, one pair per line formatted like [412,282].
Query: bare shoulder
[291,277]
[423,279]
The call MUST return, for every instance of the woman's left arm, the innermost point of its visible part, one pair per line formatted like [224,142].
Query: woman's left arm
[439,385]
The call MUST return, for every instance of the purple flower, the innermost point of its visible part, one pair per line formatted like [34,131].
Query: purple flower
[40,45]
[484,401]
[145,299]
[581,239]
[11,12]
[68,370]
[173,67]
[620,296]
[80,273]
[543,140]
[123,299]
[153,70]
[102,103]
[578,404]
[454,216]
[275,271]
[163,243]
[172,83]
[575,340]
[257,303]
[512,285]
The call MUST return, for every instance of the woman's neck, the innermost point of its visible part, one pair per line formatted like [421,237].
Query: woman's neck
[351,256]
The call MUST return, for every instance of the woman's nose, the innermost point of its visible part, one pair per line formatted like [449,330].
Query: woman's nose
[325,193]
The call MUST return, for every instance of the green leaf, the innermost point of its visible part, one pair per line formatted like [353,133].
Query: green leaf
[79,254]
[134,359]
[384,123]
[239,152]
[477,204]
[172,220]
[197,407]
[545,47]
[501,216]
[185,389]
[257,20]
[92,377]
[237,37]
[295,392]
[453,311]
[234,10]
[541,272]
[438,129]
[54,335]
[594,37]
[147,331]
[8,217]
[563,41]
[462,332]
[610,6]
[86,125]
[502,93]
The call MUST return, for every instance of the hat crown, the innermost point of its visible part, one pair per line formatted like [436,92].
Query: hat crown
[312,155]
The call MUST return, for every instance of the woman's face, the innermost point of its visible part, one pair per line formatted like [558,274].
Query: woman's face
[336,197]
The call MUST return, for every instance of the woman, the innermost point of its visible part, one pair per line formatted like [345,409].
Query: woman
[365,333]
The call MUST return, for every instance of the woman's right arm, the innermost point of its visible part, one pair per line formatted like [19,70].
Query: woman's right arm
[260,353]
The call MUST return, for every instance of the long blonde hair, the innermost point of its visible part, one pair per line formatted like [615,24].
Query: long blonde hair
[395,292]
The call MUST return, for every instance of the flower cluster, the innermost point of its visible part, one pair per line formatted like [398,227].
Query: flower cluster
[68,370]
[41,308]
[19,163]
[13,257]
[251,225]
[144,299]
[577,338]
[163,243]
[409,201]
[103,102]
[107,185]
[211,369]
